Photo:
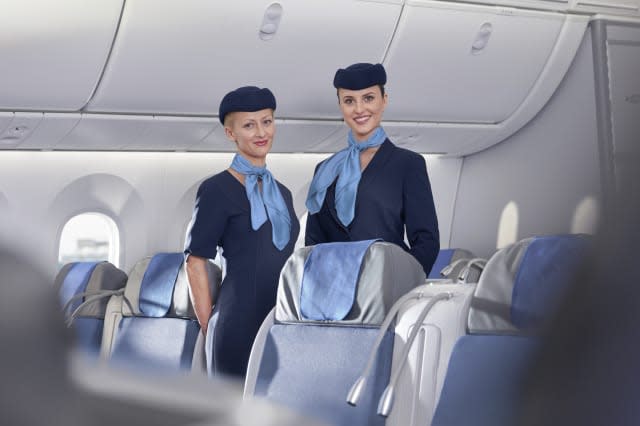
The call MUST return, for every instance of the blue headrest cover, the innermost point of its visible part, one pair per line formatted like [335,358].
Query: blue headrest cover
[156,289]
[76,282]
[547,269]
[443,259]
[329,279]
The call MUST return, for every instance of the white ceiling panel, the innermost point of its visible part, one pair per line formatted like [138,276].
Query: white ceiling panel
[291,136]
[176,57]
[51,129]
[5,119]
[172,133]
[20,129]
[104,132]
[54,51]
[479,73]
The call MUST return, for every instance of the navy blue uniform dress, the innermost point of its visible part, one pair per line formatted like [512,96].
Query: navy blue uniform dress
[394,191]
[222,217]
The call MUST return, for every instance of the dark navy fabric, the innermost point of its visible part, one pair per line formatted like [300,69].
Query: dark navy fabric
[88,332]
[329,279]
[394,192]
[547,269]
[76,282]
[443,259]
[165,343]
[311,368]
[222,217]
[248,99]
[360,76]
[484,381]
[156,288]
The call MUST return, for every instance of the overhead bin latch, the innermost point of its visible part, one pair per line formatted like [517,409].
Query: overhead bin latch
[270,21]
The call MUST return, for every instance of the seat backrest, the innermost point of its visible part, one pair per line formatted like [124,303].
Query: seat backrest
[153,324]
[518,293]
[314,344]
[84,289]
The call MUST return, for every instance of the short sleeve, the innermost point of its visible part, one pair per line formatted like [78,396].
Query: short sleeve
[207,222]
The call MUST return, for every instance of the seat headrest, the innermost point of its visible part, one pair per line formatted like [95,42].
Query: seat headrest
[91,278]
[522,284]
[158,286]
[386,272]
[447,257]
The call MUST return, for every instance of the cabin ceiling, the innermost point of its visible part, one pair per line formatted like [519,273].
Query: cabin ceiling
[149,74]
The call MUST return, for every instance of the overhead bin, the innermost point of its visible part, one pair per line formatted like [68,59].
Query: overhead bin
[53,52]
[181,57]
[479,73]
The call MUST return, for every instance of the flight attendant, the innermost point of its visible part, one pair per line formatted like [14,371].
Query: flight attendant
[372,188]
[250,215]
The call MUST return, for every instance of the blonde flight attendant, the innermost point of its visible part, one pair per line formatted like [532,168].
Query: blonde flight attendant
[250,215]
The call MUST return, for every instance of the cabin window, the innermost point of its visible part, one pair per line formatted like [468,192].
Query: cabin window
[89,237]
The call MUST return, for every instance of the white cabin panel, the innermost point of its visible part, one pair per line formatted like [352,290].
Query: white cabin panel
[182,57]
[291,136]
[173,133]
[53,52]
[5,119]
[20,129]
[479,73]
[51,129]
[535,182]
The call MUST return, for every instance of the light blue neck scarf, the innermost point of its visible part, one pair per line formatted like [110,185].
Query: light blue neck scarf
[345,164]
[269,199]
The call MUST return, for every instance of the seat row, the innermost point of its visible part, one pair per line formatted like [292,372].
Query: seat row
[116,316]
[378,347]
[441,353]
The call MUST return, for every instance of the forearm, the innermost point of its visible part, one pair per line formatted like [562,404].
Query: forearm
[199,290]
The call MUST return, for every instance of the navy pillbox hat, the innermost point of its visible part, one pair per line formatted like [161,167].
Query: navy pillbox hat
[360,76]
[248,99]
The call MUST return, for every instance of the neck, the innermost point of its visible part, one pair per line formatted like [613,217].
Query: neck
[255,161]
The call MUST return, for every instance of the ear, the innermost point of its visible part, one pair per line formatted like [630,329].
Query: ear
[229,134]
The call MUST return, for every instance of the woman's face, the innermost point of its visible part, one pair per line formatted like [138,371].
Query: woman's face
[362,110]
[252,132]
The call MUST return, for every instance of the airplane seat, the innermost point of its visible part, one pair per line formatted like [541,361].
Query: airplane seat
[83,290]
[456,265]
[153,324]
[332,299]
[516,296]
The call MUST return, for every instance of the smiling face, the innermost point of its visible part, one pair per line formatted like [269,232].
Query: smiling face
[252,132]
[362,110]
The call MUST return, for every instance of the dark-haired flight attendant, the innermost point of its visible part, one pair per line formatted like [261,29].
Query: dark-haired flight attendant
[372,188]
[250,215]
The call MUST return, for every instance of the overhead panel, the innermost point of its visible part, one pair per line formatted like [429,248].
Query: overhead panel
[20,129]
[479,73]
[291,136]
[136,133]
[181,57]
[53,52]
[50,130]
